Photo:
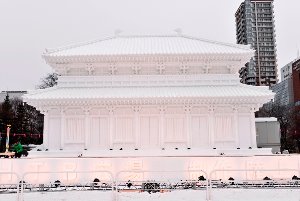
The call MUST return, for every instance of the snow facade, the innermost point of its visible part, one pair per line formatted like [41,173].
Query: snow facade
[149,93]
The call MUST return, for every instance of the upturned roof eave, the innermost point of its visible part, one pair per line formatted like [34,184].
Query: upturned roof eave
[28,97]
[94,57]
[257,101]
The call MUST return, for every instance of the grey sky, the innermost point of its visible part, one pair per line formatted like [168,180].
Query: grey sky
[27,27]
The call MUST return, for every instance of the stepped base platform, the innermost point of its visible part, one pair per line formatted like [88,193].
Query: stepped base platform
[149,153]
[70,166]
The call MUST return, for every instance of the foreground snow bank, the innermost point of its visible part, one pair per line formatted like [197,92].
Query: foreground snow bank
[256,194]
[183,195]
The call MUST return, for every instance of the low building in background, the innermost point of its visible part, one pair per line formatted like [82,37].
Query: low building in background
[286,71]
[289,85]
[11,94]
[268,133]
[296,81]
[296,92]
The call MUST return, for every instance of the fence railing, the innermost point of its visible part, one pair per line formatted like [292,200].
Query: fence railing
[66,181]
[171,182]
[251,181]
[10,187]
[145,181]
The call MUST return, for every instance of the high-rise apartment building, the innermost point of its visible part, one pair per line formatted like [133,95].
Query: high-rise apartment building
[255,27]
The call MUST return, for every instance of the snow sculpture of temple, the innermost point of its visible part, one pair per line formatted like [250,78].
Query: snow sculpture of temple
[149,93]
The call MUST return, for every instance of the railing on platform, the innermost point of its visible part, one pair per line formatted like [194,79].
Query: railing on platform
[158,184]
[10,187]
[250,180]
[50,181]
[146,181]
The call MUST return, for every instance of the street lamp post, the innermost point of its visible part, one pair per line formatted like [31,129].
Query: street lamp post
[7,138]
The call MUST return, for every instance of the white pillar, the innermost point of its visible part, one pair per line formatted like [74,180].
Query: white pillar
[111,125]
[46,130]
[211,126]
[62,127]
[87,128]
[136,110]
[162,110]
[187,109]
[253,128]
[236,126]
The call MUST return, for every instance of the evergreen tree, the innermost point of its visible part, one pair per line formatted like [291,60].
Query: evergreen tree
[6,118]
[6,113]
[23,118]
[20,121]
[49,81]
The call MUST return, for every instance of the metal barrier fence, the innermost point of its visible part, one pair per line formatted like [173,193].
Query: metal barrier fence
[158,184]
[10,187]
[251,181]
[67,181]
[156,181]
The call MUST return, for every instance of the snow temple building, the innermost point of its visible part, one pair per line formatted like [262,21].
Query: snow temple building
[161,95]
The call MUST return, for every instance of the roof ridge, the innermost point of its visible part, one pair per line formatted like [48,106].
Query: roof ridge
[241,46]
[149,35]
[80,44]
[244,47]
[188,37]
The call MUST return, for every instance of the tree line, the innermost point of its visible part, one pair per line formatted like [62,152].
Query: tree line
[26,122]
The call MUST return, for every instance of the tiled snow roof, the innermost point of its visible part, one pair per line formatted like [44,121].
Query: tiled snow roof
[149,92]
[149,45]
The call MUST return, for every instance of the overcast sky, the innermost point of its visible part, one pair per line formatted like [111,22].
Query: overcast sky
[27,27]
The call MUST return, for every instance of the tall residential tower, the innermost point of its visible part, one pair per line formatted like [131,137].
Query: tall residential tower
[255,27]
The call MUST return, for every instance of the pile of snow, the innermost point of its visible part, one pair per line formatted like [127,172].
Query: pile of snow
[179,195]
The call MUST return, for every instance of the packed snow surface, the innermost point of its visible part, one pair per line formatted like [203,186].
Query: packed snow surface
[179,195]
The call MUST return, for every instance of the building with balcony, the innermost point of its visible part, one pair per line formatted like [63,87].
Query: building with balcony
[255,26]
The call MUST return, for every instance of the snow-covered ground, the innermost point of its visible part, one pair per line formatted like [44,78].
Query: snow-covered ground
[182,195]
